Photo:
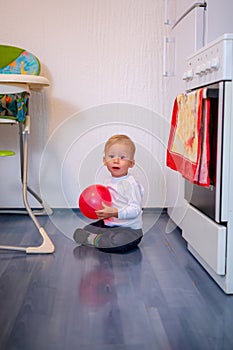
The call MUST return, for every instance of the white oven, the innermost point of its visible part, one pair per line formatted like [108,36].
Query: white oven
[208,223]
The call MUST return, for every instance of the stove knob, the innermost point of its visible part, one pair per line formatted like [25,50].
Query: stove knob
[215,63]
[208,67]
[198,70]
[203,69]
[190,74]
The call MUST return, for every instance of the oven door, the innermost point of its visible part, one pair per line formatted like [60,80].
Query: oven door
[213,200]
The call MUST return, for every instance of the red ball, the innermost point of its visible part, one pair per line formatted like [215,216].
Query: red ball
[91,200]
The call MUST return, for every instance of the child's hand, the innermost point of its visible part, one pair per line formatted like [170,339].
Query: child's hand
[106,212]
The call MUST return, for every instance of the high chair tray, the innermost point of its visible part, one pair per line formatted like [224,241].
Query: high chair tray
[34,81]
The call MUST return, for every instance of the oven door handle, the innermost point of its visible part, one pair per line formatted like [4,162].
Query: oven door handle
[223,153]
[190,9]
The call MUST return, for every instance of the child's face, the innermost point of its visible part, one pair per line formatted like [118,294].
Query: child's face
[118,159]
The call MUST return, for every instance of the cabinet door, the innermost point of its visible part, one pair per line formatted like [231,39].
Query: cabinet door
[189,34]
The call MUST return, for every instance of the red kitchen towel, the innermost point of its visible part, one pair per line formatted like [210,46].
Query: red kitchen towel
[188,144]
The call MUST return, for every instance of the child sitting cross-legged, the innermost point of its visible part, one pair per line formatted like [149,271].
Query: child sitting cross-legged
[119,226]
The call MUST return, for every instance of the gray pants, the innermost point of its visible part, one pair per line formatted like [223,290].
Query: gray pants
[115,239]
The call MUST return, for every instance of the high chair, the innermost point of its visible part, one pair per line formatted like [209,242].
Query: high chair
[16,88]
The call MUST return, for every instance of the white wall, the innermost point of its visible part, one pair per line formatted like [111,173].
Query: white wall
[104,61]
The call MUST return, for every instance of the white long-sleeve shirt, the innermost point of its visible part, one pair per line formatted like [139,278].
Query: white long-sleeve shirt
[127,196]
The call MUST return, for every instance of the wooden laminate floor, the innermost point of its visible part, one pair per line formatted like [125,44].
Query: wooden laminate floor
[156,297]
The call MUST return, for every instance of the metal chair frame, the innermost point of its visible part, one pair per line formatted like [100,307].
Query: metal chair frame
[47,246]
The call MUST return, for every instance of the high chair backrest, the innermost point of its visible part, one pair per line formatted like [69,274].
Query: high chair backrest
[14,60]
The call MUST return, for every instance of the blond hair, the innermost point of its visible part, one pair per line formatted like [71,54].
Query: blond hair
[123,139]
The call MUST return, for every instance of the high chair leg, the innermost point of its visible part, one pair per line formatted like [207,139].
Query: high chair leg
[46,246]
[45,210]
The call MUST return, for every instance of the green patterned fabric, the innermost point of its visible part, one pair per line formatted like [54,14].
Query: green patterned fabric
[14,106]
[14,60]
[8,54]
